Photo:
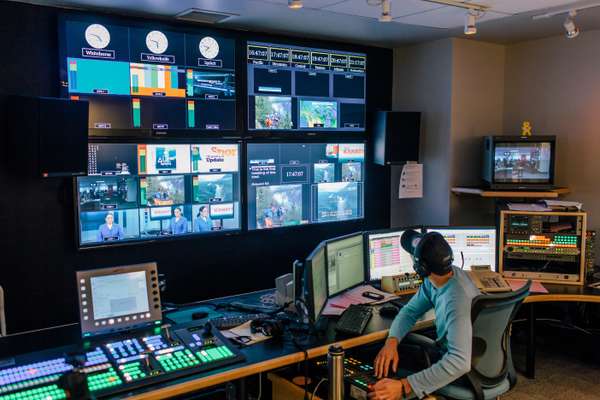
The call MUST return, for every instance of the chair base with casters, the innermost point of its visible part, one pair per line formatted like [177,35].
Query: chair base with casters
[492,371]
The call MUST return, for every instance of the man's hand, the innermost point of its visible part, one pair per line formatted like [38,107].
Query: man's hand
[390,389]
[387,355]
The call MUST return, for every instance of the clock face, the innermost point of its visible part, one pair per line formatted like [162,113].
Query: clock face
[209,47]
[157,42]
[97,36]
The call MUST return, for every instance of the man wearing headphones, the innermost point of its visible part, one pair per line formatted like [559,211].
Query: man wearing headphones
[449,291]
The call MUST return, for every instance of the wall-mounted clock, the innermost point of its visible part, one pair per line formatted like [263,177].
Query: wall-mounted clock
[97,36]
[157,42]
[209,47]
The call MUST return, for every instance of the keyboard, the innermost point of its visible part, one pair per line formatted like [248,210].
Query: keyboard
[354,320]
[228,322]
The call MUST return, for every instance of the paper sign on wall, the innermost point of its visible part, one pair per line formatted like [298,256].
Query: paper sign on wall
[411,182]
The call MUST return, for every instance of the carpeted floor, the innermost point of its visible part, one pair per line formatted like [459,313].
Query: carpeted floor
[558,377]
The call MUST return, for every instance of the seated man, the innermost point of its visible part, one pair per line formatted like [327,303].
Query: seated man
[449,291]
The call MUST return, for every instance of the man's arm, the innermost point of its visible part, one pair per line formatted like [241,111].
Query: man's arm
[418,305]
[457,361]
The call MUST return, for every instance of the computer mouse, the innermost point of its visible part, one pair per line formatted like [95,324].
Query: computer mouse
[199,315]
[388,311]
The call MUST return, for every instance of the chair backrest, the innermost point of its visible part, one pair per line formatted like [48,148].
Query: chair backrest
[492,315]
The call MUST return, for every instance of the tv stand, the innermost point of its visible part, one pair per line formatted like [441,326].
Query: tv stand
[515,194]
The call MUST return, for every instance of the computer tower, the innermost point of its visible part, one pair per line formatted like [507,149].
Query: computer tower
[396,137]
[47,137]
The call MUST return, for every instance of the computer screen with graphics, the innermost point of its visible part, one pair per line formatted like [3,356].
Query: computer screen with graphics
[137,192]
[294,88]
[118,298]
[146,77]
[477,245]
[304,183]
[386,255]
[345,263]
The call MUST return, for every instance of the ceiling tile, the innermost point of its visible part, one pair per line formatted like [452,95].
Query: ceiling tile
[445,17]
[399,8]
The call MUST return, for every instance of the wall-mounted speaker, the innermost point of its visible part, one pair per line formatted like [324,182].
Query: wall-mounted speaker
[396,137]
[48,137]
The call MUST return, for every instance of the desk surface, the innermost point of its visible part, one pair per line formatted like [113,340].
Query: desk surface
[265,356]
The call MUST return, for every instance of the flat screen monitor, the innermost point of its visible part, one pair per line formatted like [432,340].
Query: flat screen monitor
[476,244]
[294,88]
[118,298]
[345,263]
[316,273]
[293,184]
[136,192]
[148,77]
[513,162]
[386,255]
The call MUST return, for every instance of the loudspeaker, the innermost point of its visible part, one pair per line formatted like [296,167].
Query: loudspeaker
[48,137]
[396,137]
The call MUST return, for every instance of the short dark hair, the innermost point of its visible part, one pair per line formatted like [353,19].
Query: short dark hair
[177,208]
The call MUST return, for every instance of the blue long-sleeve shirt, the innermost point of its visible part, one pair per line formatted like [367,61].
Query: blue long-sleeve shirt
[203,225]
[452,305]
[106,233]
[180,226]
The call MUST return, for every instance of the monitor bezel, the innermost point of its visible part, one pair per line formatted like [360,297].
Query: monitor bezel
[153,291]
[314,316]
[143,22]
[305,140]
[336,239]
[170,238]
[285,133]
[469,227]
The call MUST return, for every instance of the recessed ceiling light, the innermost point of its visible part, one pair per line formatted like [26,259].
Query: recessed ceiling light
[295,4]
[470,21]
[570,27]
[386,11]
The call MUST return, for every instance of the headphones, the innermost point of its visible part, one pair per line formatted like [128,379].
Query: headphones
[267,326]
[422,268]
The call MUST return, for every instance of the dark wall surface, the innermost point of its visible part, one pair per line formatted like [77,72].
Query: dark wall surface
[37,242]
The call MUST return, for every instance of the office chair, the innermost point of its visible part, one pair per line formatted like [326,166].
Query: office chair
[492,371]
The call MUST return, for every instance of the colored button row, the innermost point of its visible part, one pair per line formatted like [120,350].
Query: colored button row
[35,370]
[50,392]
[103,380]
[214,354]
[26,384]
[177,360]
[132,371]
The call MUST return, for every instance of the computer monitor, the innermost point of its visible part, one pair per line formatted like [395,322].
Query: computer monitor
[316,282]
[386,255]
[477,245]
[118,298]
[345,263]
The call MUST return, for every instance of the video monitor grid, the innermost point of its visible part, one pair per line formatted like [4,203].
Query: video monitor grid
[149,78]
[293,88]
[147,191]
[304,183]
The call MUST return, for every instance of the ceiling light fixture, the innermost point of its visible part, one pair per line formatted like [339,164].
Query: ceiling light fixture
[470,21]
[386,11]
[570,27]
[295,4]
